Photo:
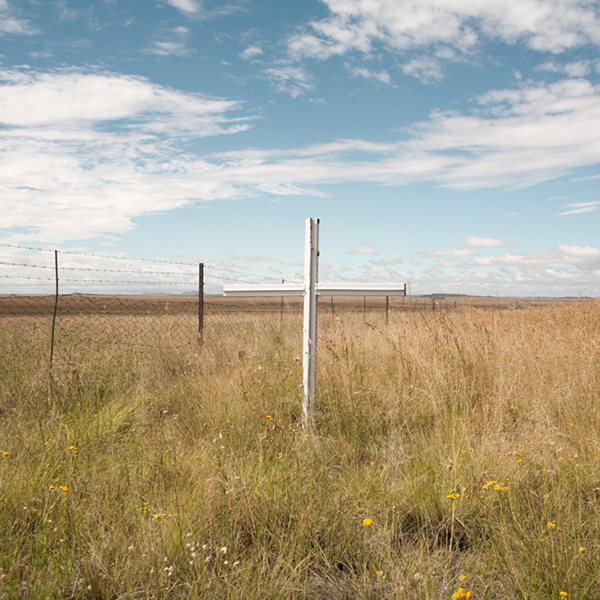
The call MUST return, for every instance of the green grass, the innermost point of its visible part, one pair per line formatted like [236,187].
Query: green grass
[143,471]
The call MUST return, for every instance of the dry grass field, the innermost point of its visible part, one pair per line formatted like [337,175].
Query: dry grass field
[455,455]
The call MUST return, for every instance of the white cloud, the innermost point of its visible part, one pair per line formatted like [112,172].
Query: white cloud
[386,262]
[425,68]
[251,52]
[472,241]
[545,25]
[48,105]
[382,76]
[257,259]
[576,252]
[108,147]
[582,256]
[174,43]
[581,207]
[450,264]
[511,259]
[445,253]
[12,25]
[575,69]
[524,135]
[82,153]
[190,7]
[566,270]
[516,138]
[290,80]
[364,250]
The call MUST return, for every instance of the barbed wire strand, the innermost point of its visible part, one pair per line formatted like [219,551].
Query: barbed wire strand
[94,269]
[215,280]
[168,262]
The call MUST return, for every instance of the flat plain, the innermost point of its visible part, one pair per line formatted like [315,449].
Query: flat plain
[455,453]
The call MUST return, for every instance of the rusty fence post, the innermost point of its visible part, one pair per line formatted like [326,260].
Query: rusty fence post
[55,306]
[201,303]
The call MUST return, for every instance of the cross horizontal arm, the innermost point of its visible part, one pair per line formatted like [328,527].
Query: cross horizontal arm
[323,289]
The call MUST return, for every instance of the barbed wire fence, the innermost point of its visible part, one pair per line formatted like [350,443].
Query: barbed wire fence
[60,304]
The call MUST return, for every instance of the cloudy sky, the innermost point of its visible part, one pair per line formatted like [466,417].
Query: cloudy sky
[450,144]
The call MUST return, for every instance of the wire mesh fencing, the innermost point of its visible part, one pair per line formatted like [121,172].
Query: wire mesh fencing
[60,305]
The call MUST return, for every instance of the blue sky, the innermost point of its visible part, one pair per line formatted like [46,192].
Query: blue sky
[450,144]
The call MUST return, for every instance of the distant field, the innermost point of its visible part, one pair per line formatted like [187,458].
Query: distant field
[455,453]
[161,304]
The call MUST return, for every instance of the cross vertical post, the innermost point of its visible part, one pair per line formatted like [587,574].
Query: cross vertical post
[309,363]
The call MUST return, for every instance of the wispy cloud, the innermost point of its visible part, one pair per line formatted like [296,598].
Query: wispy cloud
[386,262]
[172,43]
[294,81]
[585,257]
[83,153]
[189,7]
[517,137]
[364,250]
[426,69]
[66,102]
[445,253]
[578,208]
[472,241]
[10,24]
[108,140]
[382,76]
[579,68]
[251,52]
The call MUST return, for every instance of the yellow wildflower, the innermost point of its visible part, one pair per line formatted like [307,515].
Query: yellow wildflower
[563,594]
[489,484]
[582,549]
[462,578]
[455,496]
[367,522]
[551,525]
[269,417]
[71,448]
[64,488]
[461,594]
[6,454]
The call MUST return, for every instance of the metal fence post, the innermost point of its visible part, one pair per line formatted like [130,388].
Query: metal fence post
[201,303]
[311,254]
[387,309]
[55,306]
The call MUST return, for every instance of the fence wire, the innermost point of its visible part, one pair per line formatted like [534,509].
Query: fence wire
[114,305]
[61,305]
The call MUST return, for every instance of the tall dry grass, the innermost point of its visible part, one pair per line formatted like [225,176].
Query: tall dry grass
[455,455]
